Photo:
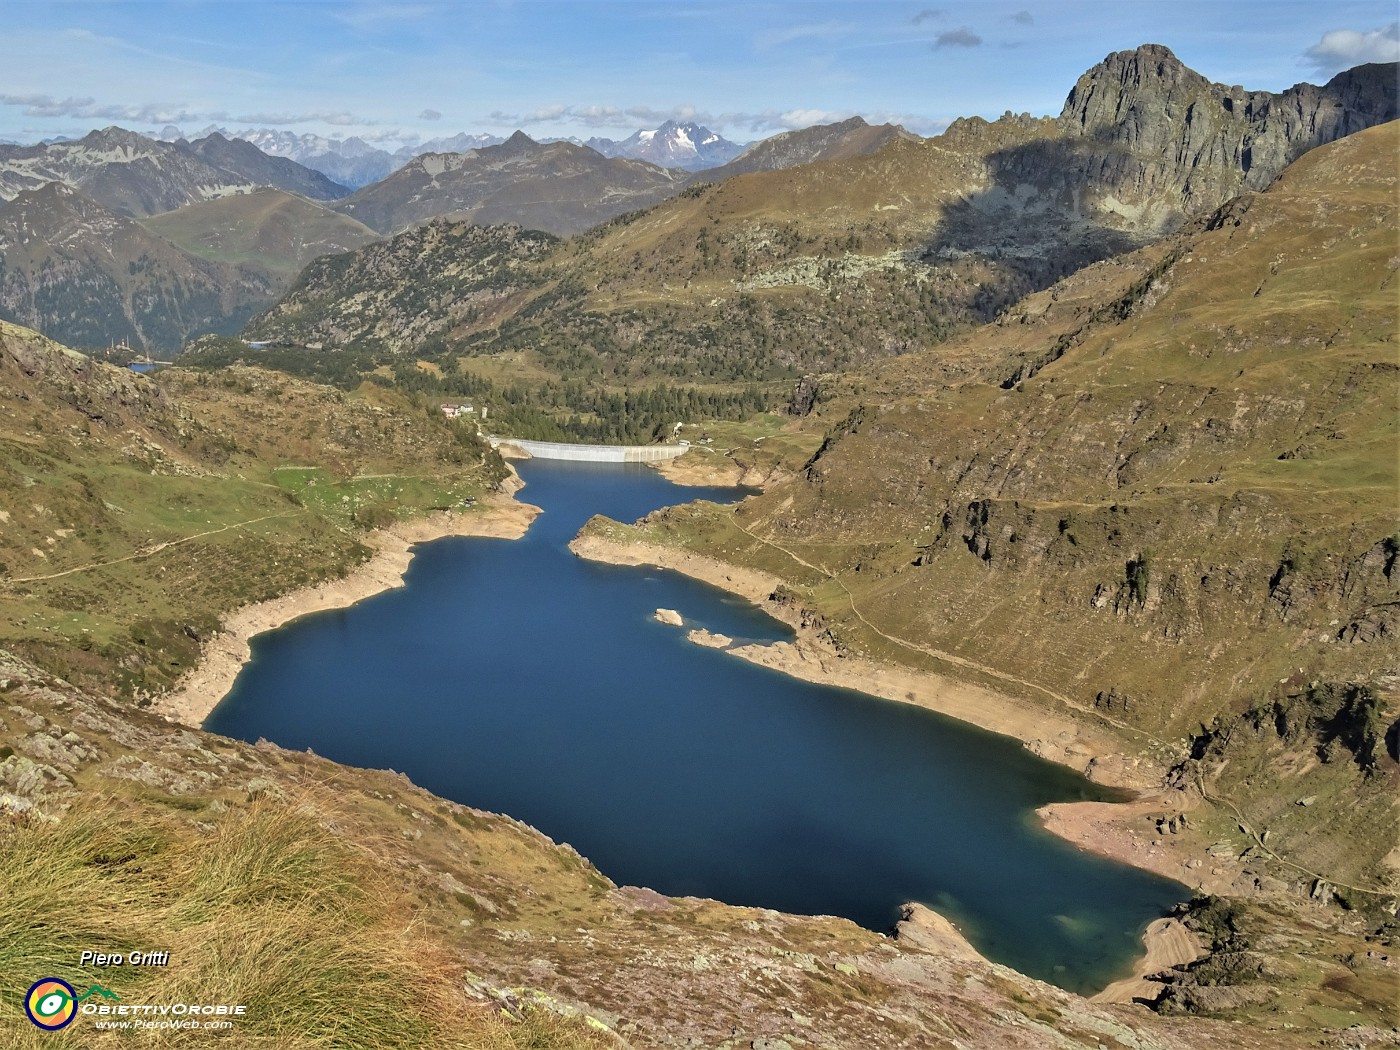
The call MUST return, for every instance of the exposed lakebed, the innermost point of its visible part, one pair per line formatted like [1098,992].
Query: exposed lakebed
[513,676]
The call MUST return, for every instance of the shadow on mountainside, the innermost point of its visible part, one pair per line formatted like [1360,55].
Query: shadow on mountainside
[1043,218]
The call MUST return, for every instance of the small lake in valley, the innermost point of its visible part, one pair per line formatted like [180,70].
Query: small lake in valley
[512,676]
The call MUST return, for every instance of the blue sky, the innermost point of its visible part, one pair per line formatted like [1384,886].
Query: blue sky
[409,69]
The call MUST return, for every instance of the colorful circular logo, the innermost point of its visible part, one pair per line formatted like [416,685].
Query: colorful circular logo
[51,1003]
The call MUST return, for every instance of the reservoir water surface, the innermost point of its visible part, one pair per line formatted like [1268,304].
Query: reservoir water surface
[512,676]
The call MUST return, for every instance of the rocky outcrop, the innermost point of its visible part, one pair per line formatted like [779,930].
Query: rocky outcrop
[710,640]
[1160,141]
[409,291]
[102,393]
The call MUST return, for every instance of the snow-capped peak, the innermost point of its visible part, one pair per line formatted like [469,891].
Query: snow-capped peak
[672,145]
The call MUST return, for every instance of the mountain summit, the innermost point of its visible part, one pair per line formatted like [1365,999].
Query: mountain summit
[691,146]
[1149,124]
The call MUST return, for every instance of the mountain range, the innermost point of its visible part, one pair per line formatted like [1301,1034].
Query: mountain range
[775,247]
[556,187]
[258,218]
[136,176]
[673,145]
[830,263]
[354,163]
[351,162]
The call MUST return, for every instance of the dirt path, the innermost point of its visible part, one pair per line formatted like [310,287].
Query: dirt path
[146,552]
[939,654]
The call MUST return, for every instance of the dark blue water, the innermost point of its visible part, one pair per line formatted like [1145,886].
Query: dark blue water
[513,676]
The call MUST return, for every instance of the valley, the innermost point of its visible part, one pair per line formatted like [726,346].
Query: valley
[1080,429]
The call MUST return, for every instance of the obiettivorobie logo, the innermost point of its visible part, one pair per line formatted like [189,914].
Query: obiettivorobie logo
[51,1003]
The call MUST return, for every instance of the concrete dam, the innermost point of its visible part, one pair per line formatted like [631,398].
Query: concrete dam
[595,453]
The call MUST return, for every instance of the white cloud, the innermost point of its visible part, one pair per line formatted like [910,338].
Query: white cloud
[430,114]
[732,124]
[35,105]
[338,118]
[39,105]
[1344,48]
[601,116]
[374,15]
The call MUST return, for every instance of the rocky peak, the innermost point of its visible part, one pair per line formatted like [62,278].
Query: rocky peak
[1155,134]
[1126,80]
[116,138]
[849,124]
[518,142]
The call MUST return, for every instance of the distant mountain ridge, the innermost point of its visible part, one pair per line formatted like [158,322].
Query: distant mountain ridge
[852,137]
[673,145]
[135,175]
[556,187]
[261,169]
[351,162]
[356,163]
[857,256]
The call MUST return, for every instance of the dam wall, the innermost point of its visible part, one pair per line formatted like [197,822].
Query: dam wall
[595,453]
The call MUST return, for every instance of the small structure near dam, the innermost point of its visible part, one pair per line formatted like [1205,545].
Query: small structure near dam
[593,453]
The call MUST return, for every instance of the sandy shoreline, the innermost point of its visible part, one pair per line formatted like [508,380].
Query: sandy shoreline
[1048,734]
[1126,832]
[1168,943]
[201,689]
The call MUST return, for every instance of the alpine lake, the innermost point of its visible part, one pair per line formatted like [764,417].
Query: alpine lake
[512,676]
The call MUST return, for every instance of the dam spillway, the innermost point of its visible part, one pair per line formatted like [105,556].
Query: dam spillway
[595,453]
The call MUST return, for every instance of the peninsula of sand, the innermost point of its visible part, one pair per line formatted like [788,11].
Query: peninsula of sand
[1058,737]
[197,693]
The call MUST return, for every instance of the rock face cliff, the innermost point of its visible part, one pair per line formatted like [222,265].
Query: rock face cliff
[1163,143]
[1143,145]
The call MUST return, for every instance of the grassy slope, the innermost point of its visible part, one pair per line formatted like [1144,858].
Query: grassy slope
[1189,514]
[136,511]
[270,230]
